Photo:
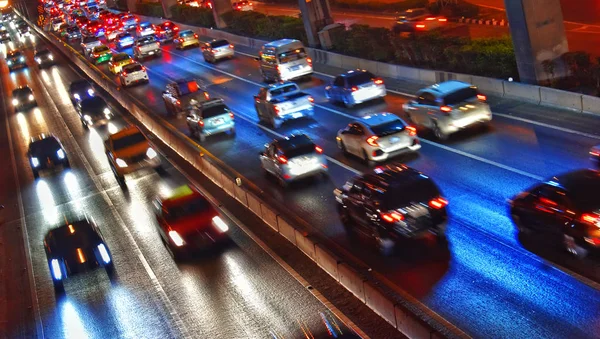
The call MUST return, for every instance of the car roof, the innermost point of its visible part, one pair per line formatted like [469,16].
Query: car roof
[386,174]
[66,238]
[378,118]
[578,178]
[22,89]
[281,42]
[179,195]
[43,137]
[353,72]
[293,141]
[448,86]
[80,82]
[13,52]
[129,130]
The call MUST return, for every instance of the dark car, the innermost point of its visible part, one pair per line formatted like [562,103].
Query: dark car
[43,58]
[71,33]
[75,248]
[166,31]
[23,29]
[124,40]
[80,89]
[46,152]
[354,87]
[5,36]
[15,59]
[93,111]
[391,203]
[565,209]
[22,98]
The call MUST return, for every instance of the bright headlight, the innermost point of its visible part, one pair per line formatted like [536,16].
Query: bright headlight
[56,269]
[104,253]
[151,153]
[15,102]
[61,154]
[90,92]
[106,111]
[50,56]
[9,62]
[35,162]
[39,61]
[76,96]
[121,163]
[220,224]
[30,97]
[22,58]
[177,240]
[87,118]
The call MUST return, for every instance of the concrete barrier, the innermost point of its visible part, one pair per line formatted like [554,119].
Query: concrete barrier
[349,62]
[427,76]
[517,90]
[590,104]
[328,261]
[570,100]
[240,195]
[489,85]
[253,204]
[352,281]
[408,73]
[379,303]
[305,244]
[386,70]
[228,186]
[334,59]
[410,325]
[268,216]
[287,230]
[369,65]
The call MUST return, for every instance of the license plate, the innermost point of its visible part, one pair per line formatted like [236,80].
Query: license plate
[295,68]
[218,122]
[394,140]
[296,115]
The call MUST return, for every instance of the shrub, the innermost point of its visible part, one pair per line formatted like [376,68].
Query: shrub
[379,6]
[254,24]
[193,15]
[459,9]
[150,9]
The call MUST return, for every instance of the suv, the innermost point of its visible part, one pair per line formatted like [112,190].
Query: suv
[391,203]
[93,111]
[210,117]
[448,107]
[355,87]
[15,59]
[23,98]
[80,89]
[217,49]
[88,42]
[46,152]
[293,158]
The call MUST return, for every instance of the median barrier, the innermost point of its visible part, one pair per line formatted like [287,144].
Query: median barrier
[334,59]
[386,70]
[240,195]
[409,73]
[462,77]
[551,96]
[521,91]
[253,204]
[590,104]
[352,281]
[349,62]
[428,76]
[368,65]
[305,243]
[328,261]
[269,216]
[410,325]
[287,230]
[228,186]
[379,303]
[488,85]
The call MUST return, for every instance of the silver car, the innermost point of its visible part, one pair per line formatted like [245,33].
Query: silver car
[448,107]
[217,49]
[378,137]
[293,158]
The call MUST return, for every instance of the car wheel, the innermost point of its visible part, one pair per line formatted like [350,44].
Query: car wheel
[275,123]
[366,159]
[282,182]
[110,270]
[521,227]
[232,131]
[347,103]
[573,247]
[439,133]
[160,170]
[342,147]
[344,216]
[67,164]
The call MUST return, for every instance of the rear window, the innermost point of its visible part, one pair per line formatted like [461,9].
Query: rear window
[283,90]
[101,49]
[128,141]
[461,95]
[297,146]
[89,39]
[45,146]
[213,111]
[133,68]
[402,193]
[360,78]
[186,209]
[121,57]
[145,24]
[72,29]
[388,128]
[293,55]
[219,43]
[186,33]
[146,40]
[95,104]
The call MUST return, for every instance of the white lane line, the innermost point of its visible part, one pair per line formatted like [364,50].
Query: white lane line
[562,129]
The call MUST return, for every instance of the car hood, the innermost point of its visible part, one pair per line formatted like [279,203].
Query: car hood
[194,223]
[133,150]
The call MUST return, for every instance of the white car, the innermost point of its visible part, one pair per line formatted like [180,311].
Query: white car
[56,24]
[133,74]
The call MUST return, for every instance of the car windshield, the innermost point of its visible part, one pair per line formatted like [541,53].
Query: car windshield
[81,84]
[186,33]
[187,208]
[213,111]
[388,128]
[101,49]
[14,54]
[93,105]
[360,78]
[297,146]
[284,90]
[121,57]
[146,40]
[128,140]
[21,92]
[133,68]
[43,52]
[72,29]
[293,55]
[125,36]
[44,146]
[219,43]
[402,193]
[461,95]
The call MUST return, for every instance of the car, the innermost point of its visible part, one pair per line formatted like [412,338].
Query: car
[187,222]
[355,87]
[209,118]
[185,39]
[118,61]
[124,40]
[95,28]
[80,89]
[448,107]
[217,49]
[129,21]
[70,33]
[129,151]
[100,54]
[56,24]
[133,73]
[93,111]
[82,22]
[23,29]
[242,6]
[46,152]
[418,20]
[595,155]
[112,31]
[74,248]
[145,47]
[43,57]
[281,102]
[181,93]
[378,137]
[145,28]
[166,31]
[15,59]
[88,42]
[564,209]
[22,98]
[392,203]
[4,36]
[291,158]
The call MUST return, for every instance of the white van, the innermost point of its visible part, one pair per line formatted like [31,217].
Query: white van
[284,60]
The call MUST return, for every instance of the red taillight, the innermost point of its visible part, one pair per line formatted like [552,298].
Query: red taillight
[137,20]
[311,99]
[430,19]
[378,82]
[201,123]
[411,130]
[420,26]
[446,109]
[175,28]
[282,159]
[276,109]
[206,95]
[196,36]
[438,203]
[590,218]
[392,217]
[231,115]
[373,141]
[481,97]
[595,154]
[442,19]
[230,46]
[309,60]
[239,7]
[354,88]
[144,68]
[318,149]
[178,102]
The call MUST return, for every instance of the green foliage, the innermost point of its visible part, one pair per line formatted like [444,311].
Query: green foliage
[254,24]
[202,17]
[150,9]
[121,5]
[457,10]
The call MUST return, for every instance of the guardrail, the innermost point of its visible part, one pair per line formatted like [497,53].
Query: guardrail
[398,308]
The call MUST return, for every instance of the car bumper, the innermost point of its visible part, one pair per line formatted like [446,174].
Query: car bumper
[292,174]
[150,53]
[51,165]
[366,94]
[291,75]
[438,229]
[382,155]
[140,165]
[456,125]
[136,80]
[188,43]
[17,66]
[228,53]
[26,105]
[102,60]
[305,113]
[225,127]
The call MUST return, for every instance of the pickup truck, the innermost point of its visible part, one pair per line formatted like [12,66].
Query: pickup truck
[129,151]
[88,43]
[181,94]
[281,102]
[145,47]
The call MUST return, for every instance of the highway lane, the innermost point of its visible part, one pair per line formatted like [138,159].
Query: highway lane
[485,261]
[237,292]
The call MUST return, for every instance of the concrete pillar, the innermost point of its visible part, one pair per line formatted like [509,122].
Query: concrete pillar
[316,14]
[538,34]
[166,5]
[131,5]
[221,7]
